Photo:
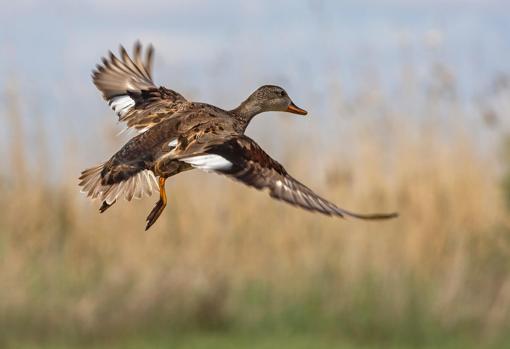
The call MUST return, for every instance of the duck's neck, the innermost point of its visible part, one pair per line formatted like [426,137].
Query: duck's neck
[246,111]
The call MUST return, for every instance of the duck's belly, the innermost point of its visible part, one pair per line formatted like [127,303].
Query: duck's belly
[167,167]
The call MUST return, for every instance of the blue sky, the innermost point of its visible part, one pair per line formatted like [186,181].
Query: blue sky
[58,42]
[219,51]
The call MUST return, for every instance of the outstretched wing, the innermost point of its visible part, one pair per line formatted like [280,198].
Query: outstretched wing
[242,159]
[127,86]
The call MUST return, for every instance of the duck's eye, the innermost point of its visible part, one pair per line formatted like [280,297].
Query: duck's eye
[282,93]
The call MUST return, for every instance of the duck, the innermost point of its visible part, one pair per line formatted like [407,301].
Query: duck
[176,135]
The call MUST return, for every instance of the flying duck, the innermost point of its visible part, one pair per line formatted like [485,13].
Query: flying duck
[177,135]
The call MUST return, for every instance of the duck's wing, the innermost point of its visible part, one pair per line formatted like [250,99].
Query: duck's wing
[242,159]
[127,86]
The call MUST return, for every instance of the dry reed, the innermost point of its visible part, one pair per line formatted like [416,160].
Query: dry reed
[226,256]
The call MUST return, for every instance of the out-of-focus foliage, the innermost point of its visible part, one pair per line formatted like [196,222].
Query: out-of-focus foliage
[506,176]
[227,259]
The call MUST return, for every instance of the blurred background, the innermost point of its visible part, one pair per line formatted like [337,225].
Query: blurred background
[409,105]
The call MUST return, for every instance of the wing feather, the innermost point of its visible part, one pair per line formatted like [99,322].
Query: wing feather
[127,86]
[142,183]
[253,167]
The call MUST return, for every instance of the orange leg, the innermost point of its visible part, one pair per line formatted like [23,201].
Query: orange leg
[160,205]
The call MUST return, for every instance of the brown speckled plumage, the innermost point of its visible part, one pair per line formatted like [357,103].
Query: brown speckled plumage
[178,135]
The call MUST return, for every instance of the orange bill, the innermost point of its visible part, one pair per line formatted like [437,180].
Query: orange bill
[292,108]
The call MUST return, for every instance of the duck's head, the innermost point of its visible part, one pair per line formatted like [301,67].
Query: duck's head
[267,98]
[275,98]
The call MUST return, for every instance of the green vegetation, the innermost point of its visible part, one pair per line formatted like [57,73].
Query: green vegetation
[208,340]
[506,176]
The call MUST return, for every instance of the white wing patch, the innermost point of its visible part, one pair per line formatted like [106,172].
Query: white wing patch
[209,162]
[121,104]
[173,143]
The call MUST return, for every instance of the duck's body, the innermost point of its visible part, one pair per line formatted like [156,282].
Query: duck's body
[179,135]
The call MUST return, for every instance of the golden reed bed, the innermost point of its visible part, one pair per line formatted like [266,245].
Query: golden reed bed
[226,256]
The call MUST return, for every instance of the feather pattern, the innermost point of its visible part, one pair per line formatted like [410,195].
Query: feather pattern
[143,183]
[249,164]
[127,86]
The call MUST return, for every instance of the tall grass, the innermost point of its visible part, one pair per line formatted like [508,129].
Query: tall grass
[224,257]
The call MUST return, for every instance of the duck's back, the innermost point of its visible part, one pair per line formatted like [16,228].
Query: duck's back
[194,120]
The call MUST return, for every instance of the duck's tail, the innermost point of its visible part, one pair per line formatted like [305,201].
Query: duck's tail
[132,185]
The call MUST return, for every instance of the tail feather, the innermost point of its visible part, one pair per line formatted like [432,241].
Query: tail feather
[138,185]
